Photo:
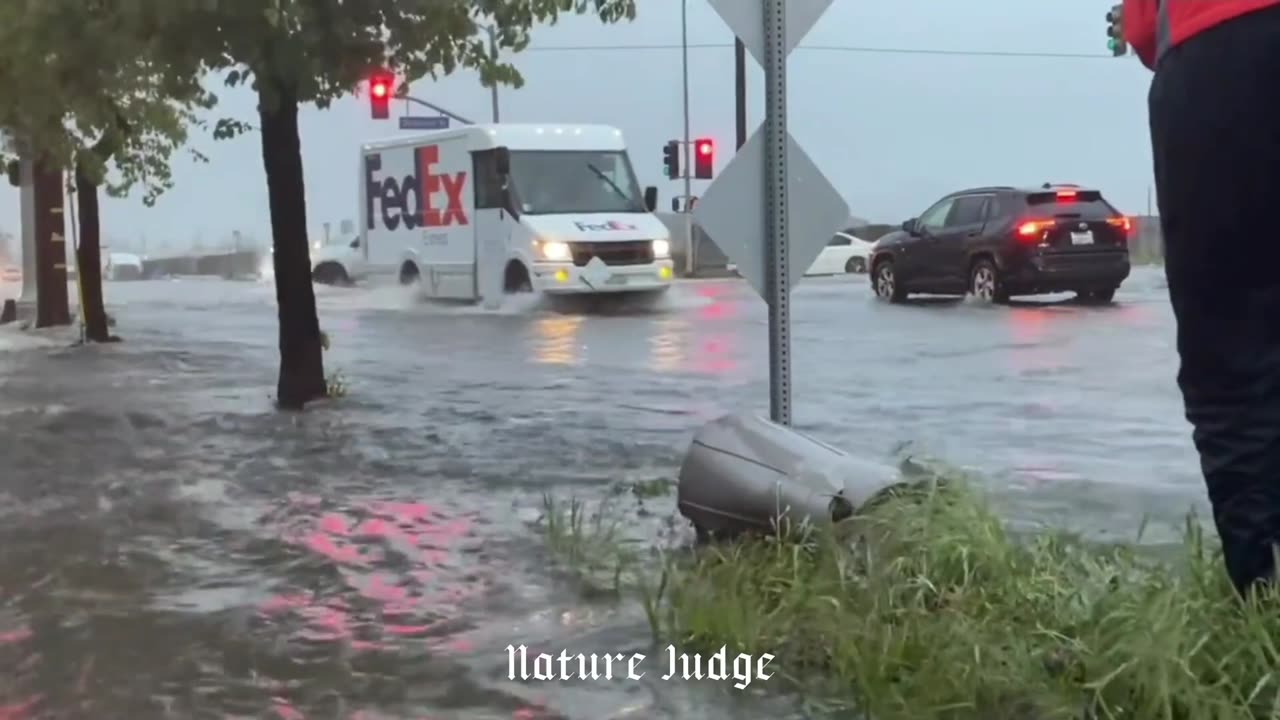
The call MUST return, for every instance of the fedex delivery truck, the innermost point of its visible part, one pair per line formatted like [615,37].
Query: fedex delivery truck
[481,211]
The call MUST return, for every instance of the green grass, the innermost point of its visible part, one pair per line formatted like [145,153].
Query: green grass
[925,606]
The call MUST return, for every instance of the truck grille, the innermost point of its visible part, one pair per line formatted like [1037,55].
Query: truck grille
[629,252]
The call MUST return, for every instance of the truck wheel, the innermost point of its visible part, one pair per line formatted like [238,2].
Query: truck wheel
[409,273]
[516,279]
[330,273]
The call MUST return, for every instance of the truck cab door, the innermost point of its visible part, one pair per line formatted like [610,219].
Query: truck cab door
[492,225]
[357,266]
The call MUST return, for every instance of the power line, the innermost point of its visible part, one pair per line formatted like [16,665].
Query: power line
[830,48]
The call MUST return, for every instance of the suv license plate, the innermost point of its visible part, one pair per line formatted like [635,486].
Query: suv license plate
[1081,238]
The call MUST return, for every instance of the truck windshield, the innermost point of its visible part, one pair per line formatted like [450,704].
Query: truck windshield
[574,181]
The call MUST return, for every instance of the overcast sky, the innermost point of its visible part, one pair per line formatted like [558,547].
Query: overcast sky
[892,130]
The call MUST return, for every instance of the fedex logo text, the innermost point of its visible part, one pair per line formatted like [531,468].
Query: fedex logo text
[604,227]
[415,199]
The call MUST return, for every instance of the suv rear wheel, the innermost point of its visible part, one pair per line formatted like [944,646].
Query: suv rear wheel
[985,283]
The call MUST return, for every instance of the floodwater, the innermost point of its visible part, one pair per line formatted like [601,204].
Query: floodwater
[172,547]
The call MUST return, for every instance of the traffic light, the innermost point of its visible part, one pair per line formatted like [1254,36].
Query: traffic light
[704,155]
[671,159]
[1115,31]
[380,86]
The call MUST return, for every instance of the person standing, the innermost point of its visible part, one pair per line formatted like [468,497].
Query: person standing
[1214,107]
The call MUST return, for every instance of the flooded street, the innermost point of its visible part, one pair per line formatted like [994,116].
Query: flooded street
[173,547]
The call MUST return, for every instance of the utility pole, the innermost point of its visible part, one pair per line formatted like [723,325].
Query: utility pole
[493,53]
[688,160]
[740,89]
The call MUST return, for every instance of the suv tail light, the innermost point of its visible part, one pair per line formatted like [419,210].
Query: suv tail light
[1123,224]
[1032,230]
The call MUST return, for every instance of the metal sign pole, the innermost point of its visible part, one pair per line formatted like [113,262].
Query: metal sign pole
[772,248]
[775,159]
[689,259]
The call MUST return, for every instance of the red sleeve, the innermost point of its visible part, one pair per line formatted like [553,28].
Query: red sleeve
[1140,29]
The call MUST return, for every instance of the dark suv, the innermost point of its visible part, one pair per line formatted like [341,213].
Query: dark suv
[996,242]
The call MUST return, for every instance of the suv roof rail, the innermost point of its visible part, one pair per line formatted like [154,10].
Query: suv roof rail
[1048,186]
[986,188]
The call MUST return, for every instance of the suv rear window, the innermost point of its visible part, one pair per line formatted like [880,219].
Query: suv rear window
[1085,204]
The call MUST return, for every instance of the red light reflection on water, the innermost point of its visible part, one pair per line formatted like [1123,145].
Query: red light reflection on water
[699,346]
[1029,328]
[13,637]
[21,710]
[406,604]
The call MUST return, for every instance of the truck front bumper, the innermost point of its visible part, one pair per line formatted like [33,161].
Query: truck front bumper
[569,279]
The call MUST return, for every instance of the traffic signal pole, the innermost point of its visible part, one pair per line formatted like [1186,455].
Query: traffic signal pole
[437,108]
[688,161]
[740,90]
[493,53]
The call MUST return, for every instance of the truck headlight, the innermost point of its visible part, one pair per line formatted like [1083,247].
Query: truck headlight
[555,251]
[662,248]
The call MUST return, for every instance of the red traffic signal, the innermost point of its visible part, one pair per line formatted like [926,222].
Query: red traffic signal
[704,151]
[380,85]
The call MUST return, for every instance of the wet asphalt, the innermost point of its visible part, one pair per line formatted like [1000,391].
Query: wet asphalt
[172,547]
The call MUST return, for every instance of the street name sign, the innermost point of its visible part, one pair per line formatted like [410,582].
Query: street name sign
[424,122]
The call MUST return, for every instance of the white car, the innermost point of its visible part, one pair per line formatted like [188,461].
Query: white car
[336,264]
[845,253]
[121,266]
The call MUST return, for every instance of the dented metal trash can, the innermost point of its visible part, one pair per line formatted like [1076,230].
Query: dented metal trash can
[744,473]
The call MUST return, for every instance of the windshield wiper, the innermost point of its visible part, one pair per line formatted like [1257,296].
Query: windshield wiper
[625,198]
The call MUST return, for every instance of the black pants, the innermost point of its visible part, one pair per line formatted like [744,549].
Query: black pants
[1215,135]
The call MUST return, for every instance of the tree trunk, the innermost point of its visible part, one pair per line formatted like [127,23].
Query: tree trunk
[89,260]
[301,354]
[52,306]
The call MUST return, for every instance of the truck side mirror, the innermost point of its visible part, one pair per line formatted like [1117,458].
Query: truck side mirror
[509,199]
[651,198]
[14,171]
[502,161]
